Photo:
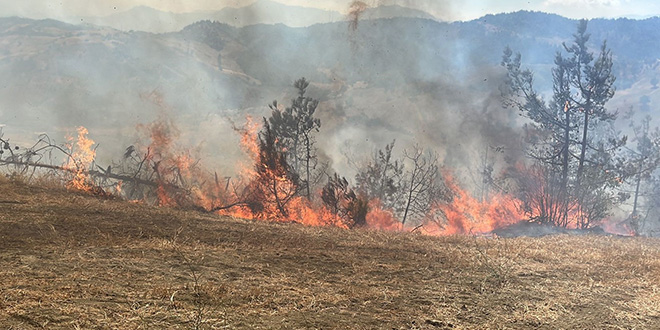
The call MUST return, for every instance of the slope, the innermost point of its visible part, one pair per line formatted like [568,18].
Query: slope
[70,260]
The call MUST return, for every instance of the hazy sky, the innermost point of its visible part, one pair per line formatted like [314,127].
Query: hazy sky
[444,9]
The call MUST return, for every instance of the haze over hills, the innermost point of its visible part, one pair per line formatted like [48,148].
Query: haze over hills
[410,79]
[144,18]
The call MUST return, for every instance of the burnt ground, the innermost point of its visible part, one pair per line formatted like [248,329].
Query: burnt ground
[74,261]
[534,229]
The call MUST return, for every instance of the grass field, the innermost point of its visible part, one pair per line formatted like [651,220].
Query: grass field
[74,261]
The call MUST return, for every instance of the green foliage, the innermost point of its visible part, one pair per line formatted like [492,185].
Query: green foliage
[573,141]
[294,127]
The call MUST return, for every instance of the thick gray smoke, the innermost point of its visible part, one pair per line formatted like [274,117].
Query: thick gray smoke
[407,79]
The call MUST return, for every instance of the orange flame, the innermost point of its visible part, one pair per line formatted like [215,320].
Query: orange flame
[381,218]
[249,133]
[621,228]
[463,214]
[118,187]
[467,215]
[301,210]
[79,161]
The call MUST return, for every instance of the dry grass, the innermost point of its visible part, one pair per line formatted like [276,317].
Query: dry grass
[77,262]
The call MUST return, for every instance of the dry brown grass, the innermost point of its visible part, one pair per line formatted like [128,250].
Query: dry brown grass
[73,261]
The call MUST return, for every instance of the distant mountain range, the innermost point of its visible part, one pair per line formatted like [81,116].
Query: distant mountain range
[260,12]
[413,79]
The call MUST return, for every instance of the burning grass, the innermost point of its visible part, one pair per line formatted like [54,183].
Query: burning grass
[70,260]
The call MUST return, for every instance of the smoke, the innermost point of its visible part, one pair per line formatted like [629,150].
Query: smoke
[354,11]
[406,81]
[459,121]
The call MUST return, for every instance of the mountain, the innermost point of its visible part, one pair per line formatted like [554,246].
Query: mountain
[413,79]
[270,12]
[391,11]
[143,18]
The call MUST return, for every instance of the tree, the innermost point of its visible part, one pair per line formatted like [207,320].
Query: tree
[550,131]
[422,185]
[644,159]
[569,135]
[381,178]
[294,127]
[276,182]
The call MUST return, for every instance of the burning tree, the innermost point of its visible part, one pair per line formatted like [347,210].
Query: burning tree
[276,183]
[569,135]
[294,127]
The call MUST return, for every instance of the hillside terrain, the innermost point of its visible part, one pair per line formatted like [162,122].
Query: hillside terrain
[406,78]
[148,19]
[70,260]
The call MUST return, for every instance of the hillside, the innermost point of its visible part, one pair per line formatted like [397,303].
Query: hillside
[239,14]
[409,79]
[75,261]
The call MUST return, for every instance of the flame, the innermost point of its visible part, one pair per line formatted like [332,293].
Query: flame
[465,214]
[621,228]
[80,160]
[249,133]
[181,182]
[381,218]
[301,210]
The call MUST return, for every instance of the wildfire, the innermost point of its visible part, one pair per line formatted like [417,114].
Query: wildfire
[248,133]
[301,210]
[279,202]
[381,218]
[81,157]
[621,228]
[467,215]
[176,172]
[264,190]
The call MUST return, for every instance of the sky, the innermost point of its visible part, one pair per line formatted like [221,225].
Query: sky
[450,10]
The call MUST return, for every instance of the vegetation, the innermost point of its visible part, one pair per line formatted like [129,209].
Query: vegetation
[575,152]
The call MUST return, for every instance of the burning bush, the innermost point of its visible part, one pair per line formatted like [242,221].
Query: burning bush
[342,201]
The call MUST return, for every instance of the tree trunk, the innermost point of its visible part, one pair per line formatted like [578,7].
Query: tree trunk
[410,194]
[633,216]
[563,193]
[583,152]
[307,159]
[280,206]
